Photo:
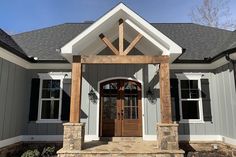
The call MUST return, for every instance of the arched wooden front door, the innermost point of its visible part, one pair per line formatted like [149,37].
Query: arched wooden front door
[120,108]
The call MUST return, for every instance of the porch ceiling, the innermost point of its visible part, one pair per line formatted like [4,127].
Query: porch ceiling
[152,43]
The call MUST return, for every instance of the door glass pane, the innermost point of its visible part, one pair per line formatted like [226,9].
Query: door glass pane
[130,107]
[130,88]
[110,88]
[109,107]
[135,113]
[127,113]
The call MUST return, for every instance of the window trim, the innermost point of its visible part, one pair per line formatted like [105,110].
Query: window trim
[50,76]
[190,76]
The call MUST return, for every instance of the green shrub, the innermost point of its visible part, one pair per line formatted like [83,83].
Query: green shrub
[48,151]
[31,153]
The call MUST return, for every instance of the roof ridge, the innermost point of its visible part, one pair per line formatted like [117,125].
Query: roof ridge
[212,27]
[37,29]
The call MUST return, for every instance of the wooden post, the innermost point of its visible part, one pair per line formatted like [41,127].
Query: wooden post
[121,36]
[164,78]
[75,105]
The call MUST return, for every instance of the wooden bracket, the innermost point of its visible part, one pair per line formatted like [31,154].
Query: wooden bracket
[132,44]
[109,44]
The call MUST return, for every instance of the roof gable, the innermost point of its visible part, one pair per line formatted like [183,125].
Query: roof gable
[82,43]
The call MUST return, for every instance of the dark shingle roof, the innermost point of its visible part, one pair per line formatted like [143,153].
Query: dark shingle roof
[9,44]
[198,42]
[43,43]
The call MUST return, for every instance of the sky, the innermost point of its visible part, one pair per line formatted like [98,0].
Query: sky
[18,16]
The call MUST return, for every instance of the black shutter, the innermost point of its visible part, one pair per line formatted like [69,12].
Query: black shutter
[65,113]
[206,101]
[34,99]
[175,99]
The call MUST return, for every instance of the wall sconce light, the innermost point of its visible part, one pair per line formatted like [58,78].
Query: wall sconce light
[150,94]
[92,96]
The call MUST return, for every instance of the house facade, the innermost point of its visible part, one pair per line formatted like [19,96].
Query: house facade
[118,77]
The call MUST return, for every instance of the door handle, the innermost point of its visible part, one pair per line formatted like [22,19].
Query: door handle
[118,116]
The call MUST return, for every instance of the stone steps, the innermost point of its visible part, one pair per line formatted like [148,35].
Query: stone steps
[117,148]
[122,139]
[177,153]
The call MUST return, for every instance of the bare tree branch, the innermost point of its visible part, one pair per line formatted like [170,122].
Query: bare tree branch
[214,13]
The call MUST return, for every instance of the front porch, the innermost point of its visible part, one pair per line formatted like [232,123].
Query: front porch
[126,146]
[145,48]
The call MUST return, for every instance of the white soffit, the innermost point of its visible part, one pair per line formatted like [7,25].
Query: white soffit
[106,23]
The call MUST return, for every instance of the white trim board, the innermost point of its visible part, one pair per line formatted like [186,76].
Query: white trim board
[27,65]
[109,19]
[56,138]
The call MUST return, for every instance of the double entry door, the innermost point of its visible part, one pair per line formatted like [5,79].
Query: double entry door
[120,108]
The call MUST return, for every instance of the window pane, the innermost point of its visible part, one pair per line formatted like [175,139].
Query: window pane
[190,110]
[194,94]
[55,93]
[47,83]
[184,84]
[50,109]
[56,84]
[194,84]
[46,93]
[185,94]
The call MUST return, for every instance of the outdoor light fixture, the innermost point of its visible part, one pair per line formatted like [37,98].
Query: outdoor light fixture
[150,94]
[92,96]
[231,57]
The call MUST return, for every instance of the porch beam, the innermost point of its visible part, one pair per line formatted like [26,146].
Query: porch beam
[133,44]
[75,105]
[119,59]
[109,44]
[164,79]
[121,36]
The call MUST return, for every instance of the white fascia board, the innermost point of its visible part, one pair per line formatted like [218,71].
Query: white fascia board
[174,48]
[148,37]
[211,66]
[127,13]
[68,47]
[27,65]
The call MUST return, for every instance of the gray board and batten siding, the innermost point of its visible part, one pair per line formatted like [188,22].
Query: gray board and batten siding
[223,104]
[222,97]
[14,99]
[15,83]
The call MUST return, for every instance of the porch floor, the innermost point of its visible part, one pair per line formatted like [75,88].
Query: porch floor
[120,148]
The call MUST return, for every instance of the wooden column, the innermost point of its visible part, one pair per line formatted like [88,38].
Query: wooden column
[121,36]
[75,103]
[165,98]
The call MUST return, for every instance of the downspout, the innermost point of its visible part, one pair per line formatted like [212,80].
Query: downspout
[233,62]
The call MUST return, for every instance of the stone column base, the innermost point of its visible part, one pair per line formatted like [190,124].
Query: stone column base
[167,137]
[73,138]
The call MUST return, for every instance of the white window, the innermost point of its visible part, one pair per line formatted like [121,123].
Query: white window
[50,97]
[190,98]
